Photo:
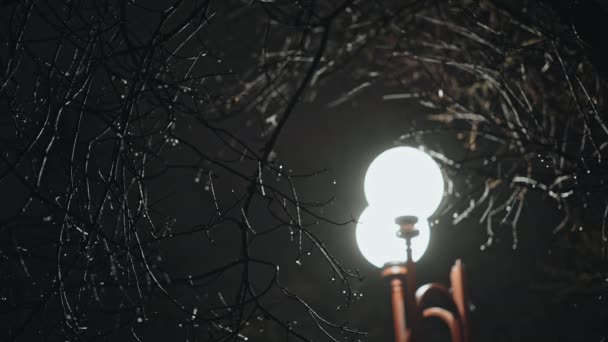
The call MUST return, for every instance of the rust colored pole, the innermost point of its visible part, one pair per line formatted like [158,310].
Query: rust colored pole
[408,231]
[398,310]
[411,306]
[459,295]
[396,273]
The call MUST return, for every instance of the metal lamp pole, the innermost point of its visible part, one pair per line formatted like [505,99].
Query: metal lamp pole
[409,304]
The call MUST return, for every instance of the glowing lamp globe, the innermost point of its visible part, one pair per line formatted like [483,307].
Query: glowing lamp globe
[377,240]
[406,181]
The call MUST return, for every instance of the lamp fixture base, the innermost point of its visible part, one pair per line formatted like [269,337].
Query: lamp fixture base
[407,219]
[394,269]
[407,227]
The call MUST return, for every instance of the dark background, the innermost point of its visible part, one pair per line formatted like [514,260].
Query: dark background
[512,297]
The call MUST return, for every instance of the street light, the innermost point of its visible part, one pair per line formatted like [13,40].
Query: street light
[377,241]
[404,180]
[401,185]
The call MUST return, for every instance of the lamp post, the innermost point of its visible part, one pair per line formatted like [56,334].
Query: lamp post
[402,185]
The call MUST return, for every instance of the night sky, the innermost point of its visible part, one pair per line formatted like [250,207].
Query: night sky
[161,164]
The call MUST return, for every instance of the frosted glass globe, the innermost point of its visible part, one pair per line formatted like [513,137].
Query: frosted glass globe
[377,239]
[406,180]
